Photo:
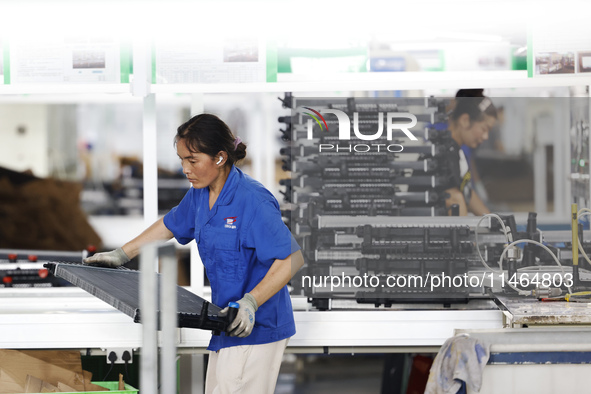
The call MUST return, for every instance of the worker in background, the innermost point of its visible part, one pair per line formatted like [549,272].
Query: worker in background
[248,253]
[471,118]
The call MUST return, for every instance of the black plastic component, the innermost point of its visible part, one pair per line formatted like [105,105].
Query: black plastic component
[287,101]
[112,357]
[126,356]
[576,276]
[120,289]
[389,298]
[232,313]
[529,250]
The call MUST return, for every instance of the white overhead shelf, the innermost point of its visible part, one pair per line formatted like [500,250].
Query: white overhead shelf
[64,88]
[329,83]
[383,81]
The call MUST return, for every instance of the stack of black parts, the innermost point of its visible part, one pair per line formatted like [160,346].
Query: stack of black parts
[342,191]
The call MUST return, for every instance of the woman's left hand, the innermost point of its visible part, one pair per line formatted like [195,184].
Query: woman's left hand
[244,322]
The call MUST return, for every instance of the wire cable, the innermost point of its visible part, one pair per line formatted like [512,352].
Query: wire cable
[112,358]
[126,357]
[108,372]
[521,292]
[531,241]
[501,271]
[476,236]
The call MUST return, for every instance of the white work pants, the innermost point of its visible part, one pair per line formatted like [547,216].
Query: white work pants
[245,369]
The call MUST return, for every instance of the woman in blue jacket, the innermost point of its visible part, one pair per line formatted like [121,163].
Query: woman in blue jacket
[248,253]
[472,117]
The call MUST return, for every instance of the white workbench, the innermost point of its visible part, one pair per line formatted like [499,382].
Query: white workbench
[69,318]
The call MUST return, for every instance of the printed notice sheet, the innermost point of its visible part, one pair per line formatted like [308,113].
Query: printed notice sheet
[69,60]
[216,61]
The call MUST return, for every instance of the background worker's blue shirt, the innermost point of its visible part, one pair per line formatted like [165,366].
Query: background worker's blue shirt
[238,241]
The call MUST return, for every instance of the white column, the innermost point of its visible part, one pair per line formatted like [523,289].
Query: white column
[140,86]
[540,168]
[148,318]
[168,319]
[150,149]
[261,147]
[142,67]
[269,132]
[589,117]
[562,165]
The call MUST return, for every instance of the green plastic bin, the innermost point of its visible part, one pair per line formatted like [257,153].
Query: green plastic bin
[111,386]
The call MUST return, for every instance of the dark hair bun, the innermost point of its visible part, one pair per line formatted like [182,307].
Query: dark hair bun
[240,152]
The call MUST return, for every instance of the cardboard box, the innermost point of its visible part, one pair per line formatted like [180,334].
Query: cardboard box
[38,371]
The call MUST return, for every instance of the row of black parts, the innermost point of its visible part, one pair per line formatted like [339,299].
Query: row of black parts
[356,207]
[354,194]
[29,278]
[376,238]
[310,215]
[447,298]
[312,151]
[319,183]
[343,168]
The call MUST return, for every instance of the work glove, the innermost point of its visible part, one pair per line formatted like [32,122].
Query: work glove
[112,259]
[244,322]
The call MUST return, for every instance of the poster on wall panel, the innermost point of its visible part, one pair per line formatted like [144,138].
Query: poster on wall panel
[557,52]
[65,60]
[222,60]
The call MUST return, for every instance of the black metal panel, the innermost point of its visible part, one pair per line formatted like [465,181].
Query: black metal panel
[120,289]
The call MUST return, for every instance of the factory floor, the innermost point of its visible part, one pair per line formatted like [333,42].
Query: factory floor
[352,374]
[319,374]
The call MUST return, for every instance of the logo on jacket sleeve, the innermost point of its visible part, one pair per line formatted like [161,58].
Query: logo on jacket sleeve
[230,222]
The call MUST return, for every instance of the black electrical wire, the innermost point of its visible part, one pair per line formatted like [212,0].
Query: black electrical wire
[112,358]
[126,358]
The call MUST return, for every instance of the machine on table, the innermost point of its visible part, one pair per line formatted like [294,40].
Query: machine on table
[372,221]
[25,268]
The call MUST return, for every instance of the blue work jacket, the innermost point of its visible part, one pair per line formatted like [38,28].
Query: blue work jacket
[238,241]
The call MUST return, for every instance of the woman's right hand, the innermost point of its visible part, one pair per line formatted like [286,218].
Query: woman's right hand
[112,259]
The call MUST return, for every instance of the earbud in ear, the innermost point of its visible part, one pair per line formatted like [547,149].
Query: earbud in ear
[220,160]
